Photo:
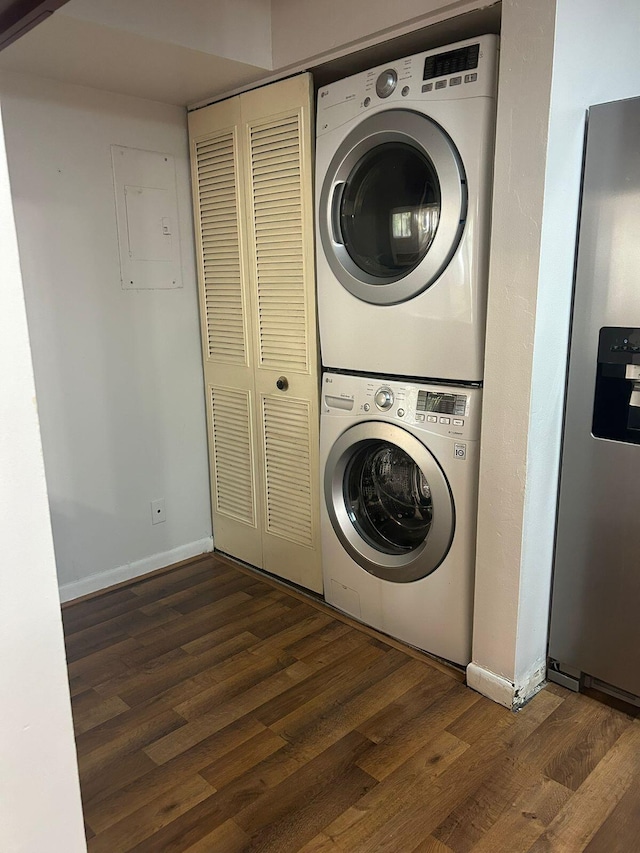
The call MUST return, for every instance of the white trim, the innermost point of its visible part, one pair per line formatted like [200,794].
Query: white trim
[493,686]
[531,684]
[501,690]
[103,580]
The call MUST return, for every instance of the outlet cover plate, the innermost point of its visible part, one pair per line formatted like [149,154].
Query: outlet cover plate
[158,514]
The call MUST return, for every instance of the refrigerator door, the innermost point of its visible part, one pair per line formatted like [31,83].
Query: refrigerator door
[595,615]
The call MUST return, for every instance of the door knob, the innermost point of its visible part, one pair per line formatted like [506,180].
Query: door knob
[282,383]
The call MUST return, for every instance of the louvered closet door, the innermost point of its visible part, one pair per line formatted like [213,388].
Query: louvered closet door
[217,166]
[277,141]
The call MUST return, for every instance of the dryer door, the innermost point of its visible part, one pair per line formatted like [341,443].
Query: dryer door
[389,502]
[392,207]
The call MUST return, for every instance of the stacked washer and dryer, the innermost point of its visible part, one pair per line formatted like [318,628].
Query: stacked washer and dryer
[403,176]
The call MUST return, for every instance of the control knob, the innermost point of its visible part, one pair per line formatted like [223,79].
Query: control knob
[386,83]
[384,399]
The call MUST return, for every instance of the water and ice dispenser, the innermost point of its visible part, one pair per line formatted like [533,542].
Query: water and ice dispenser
[616,410]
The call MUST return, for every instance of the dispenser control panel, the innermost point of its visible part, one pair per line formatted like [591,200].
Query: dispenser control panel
[616,401]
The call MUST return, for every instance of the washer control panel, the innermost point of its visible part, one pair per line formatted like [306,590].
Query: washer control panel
[464,70]
[453,411]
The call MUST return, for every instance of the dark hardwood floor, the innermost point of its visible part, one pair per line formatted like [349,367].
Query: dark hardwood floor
[216,712]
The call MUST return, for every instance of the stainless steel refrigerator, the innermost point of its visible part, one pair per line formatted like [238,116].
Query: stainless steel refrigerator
[595,608]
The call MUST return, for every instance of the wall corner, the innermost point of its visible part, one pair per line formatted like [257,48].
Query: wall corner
[512,695]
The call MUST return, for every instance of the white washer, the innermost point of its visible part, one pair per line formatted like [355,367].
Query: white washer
[403,174]
[400,473]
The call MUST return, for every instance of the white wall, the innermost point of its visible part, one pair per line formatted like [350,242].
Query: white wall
[118,373]
[306,30]
[40,805]
[521,142]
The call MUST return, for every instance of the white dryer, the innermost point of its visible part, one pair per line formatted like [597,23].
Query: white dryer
[403,179]
[400,472]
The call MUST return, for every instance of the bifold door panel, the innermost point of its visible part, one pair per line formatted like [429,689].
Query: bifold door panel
[252,168]
[224,320]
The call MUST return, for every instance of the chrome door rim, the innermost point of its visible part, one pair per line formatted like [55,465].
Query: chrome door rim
[400,568]
[427,137]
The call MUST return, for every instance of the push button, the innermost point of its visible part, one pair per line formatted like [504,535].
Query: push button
[441,84]
[432,419]
[470,78]
[458,422]
[445,420]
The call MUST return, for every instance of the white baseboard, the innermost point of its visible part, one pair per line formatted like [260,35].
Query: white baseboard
[503,691]
[103,580]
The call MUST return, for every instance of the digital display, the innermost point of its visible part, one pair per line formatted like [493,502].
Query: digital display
[451,62]
[442,404]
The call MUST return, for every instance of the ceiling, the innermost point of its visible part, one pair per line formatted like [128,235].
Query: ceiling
[94,44]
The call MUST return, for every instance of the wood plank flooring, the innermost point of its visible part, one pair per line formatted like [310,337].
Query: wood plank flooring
[218,713]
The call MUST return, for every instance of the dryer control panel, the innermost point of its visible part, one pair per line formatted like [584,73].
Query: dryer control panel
[464,70]
[447,410]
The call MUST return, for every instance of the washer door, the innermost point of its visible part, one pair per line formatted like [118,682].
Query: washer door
[389,502]
[392,207]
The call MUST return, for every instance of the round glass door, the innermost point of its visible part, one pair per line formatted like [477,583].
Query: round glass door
[388,498]
[390,209]
[389,501]
[392,206]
